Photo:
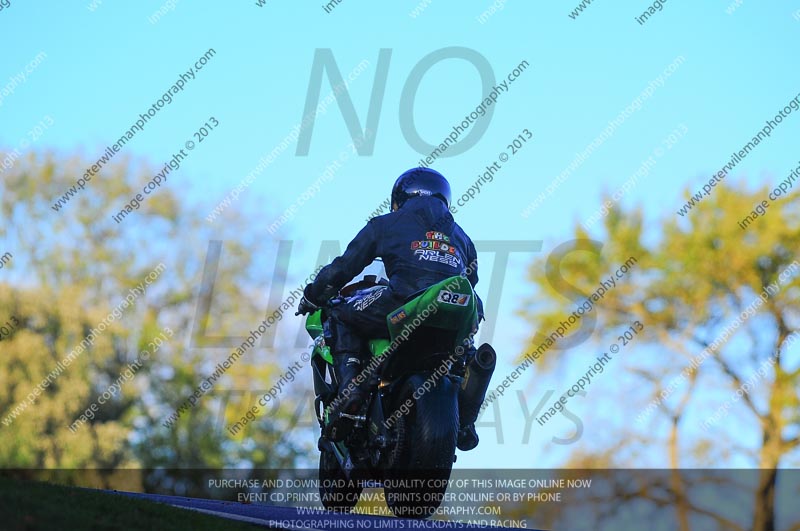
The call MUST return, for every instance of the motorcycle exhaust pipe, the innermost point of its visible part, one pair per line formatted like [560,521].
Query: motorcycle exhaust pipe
[476,383]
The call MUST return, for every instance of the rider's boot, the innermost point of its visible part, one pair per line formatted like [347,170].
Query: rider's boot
[352,393]
[480,366]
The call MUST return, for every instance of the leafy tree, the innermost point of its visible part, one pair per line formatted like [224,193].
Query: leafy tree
[693,279]
[72,267]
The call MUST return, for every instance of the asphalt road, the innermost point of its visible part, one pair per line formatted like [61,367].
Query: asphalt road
[275,517]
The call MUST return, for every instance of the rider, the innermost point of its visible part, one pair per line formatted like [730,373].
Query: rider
[420,212]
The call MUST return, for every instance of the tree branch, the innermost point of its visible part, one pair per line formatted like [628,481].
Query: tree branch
[727,369]
[790,444]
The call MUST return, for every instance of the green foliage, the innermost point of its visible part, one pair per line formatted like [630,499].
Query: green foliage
[694,277]
[70,269]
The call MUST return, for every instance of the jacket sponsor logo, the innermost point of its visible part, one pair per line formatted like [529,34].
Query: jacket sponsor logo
[436,241]
[433,245]
[368,298]
[438,256]
[436,235]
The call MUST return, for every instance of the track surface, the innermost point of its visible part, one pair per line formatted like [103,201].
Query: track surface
[275,517]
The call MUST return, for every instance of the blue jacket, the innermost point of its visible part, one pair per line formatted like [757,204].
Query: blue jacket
[420,244]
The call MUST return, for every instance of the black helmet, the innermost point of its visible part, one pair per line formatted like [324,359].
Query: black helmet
[420,181]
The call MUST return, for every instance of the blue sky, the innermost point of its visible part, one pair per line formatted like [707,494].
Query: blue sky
[104,67]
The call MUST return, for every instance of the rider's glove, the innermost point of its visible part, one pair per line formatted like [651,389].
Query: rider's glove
[306,306]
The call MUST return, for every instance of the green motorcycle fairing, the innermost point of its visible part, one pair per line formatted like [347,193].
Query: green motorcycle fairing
[314,329]
[449,305]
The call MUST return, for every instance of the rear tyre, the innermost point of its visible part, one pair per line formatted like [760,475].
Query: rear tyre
[337,493]
[422,458]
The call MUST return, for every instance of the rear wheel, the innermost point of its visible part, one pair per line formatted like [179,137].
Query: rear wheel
[419,465]
[337,492]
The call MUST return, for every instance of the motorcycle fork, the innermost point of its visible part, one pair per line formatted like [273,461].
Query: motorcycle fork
[377,432]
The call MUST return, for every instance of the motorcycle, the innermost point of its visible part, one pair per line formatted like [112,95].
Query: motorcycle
[404,436]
